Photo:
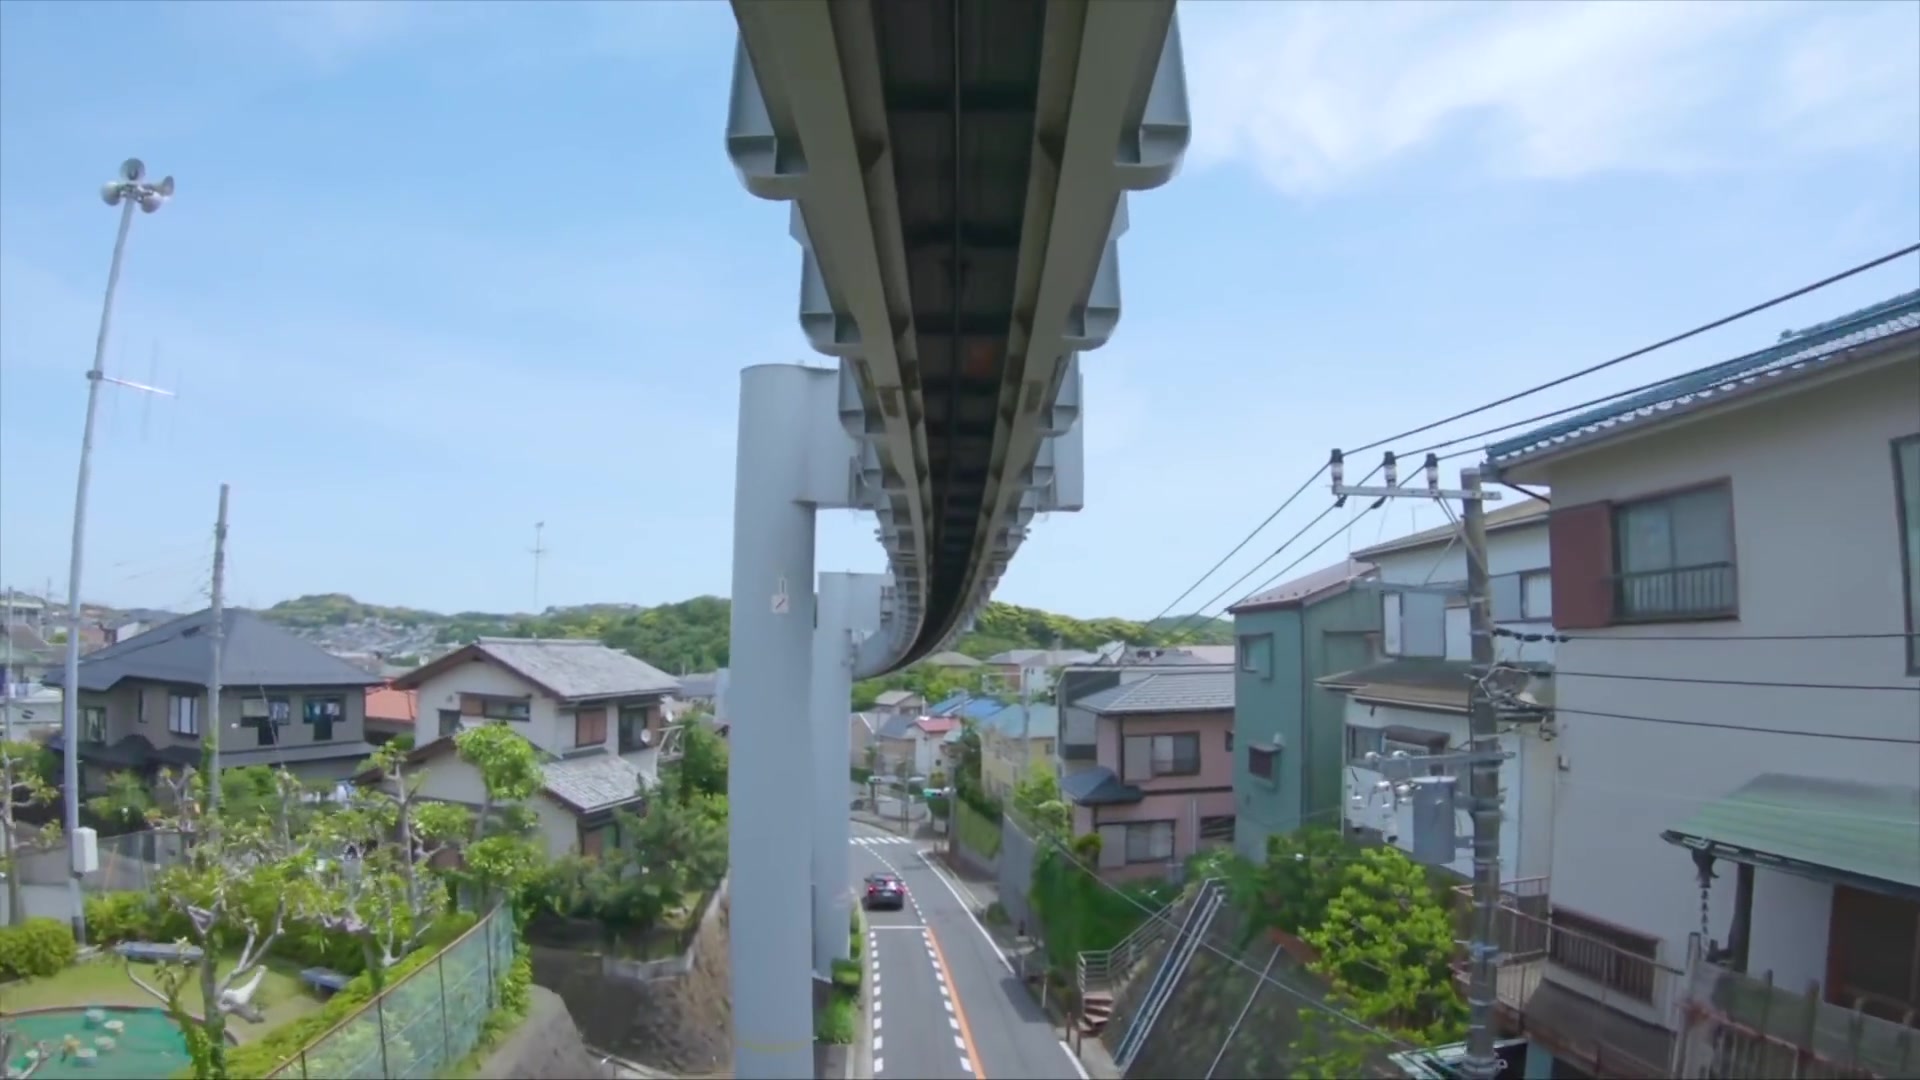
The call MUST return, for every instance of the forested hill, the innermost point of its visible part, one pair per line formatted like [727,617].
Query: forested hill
[691,635]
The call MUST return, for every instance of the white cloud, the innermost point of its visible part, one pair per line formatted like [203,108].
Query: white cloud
[1318,95]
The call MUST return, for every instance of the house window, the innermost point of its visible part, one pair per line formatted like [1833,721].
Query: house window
[1522,597]
[1263,761]
[1149,841]
[1675,555]
[517,710]
[1151,756]
[183,715]
[1217,829]
[1387,741]
[1256,655]
[323,713]
[1229,740]
[635,732]
[266,715]
[93,724]
[139,706]
[449,722]
[1362,741]
[1414,624]
[1906,467]
[593,842]
[590,727]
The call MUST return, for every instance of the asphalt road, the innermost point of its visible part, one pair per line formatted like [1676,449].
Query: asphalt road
[946,1006]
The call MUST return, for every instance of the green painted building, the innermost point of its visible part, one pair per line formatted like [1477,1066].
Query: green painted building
[1288,731]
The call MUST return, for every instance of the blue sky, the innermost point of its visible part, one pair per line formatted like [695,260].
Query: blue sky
[437,272]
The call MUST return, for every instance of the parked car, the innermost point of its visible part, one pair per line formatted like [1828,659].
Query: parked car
[885,891]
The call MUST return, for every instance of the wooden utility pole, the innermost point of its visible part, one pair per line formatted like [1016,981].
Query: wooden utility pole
[210,724]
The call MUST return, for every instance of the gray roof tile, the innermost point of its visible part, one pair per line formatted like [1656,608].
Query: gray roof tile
[592,781]
[1307,588]
[254,652]
[579,668]
[1169,691]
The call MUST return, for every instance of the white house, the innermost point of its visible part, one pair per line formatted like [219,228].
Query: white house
[596,715]
[1415,699]
[1736,578]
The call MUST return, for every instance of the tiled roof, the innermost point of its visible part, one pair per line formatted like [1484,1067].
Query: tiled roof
[571,669]
[951,703]
[980,708]
[1044,657]
[704,685]
[592,781]
[390,705]
[1524,512]
[1305,589]
[1798,355]
[895,697]
[1871,830]
[951,659]
[937,725]
[1097,786]
[1169,691]
[898,726]
[253,652]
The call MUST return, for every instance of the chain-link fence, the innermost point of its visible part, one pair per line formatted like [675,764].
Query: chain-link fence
[423,1024]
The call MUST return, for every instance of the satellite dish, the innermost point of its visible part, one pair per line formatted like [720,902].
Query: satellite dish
[646,737]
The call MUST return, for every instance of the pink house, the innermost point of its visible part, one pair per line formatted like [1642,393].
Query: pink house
[1162,787]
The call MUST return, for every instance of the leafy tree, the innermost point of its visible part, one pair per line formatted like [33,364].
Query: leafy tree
[20,786]
[499,856]
[1303,872]
[249,874]
[701,766]
[1385,946]
[1036,798]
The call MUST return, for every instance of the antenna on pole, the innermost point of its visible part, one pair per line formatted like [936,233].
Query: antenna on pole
[539,553]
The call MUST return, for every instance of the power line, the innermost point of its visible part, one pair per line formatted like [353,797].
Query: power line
[1518,635]
[1887,739]
[1257,529]
[1559,674]
[1645,349]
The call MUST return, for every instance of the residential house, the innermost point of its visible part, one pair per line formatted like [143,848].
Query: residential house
[1413,699]
[1031,671]
[1078,747]
[702,689]
[1289,732]
[1012,741]
[900,703]
[1162,784]
[1736,852]
[863,727]
[580,793]
[564,695]
[26,657]
[283,702]
[392,713]
[912,745]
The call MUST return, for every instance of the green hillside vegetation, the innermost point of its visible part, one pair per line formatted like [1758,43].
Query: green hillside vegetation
[691,635]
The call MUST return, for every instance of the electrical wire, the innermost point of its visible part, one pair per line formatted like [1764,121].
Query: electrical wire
[1559,673]
[1645,349]
[1525,636]
[1244,541]
[1888,740]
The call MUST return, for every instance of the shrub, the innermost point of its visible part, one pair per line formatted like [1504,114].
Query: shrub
[132,916]
[36,948]
[836,1022]
[846,975]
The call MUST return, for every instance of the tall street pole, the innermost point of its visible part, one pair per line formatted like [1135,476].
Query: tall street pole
[1483,789]
[129,191]
[210,725]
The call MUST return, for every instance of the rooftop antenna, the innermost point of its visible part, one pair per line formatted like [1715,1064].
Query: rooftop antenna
[539,553]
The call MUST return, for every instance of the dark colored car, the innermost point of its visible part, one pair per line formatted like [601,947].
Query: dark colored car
[885,891]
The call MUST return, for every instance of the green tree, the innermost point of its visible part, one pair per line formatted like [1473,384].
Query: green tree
[20,786]
[1386,946]
[499,855]
[701,765]
[1303,871]
[125,804]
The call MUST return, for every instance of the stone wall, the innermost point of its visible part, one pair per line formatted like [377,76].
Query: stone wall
[546,1046]
[677,1023]
[1016,873]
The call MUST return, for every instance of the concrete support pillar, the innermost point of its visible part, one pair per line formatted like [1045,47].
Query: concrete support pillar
[769,848]
[848,613]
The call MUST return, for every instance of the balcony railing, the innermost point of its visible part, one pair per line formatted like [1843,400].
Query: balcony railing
[1747,1026]
[1072,751]
[1703,591]
[1616,971]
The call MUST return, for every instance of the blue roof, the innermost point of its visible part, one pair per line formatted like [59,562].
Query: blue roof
[1040,721]
[981,708]
[1818,348]
[949,705]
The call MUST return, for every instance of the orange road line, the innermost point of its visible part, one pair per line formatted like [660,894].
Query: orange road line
[959,1011]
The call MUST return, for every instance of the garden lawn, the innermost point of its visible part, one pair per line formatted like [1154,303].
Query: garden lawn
[103,981]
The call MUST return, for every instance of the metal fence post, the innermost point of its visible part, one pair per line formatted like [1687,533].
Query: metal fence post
[446,1025]
[380,1017]
[487,937]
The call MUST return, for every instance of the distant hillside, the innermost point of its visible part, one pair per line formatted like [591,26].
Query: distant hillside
[692,635]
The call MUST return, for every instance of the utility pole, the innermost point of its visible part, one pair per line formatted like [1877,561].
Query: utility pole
[210,727]
[1435,800]
[539,552]
[129,191]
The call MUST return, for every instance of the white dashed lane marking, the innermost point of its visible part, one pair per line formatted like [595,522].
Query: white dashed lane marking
[877,841]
